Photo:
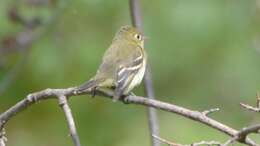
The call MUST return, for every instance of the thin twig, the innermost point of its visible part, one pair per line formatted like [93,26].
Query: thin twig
[152,115]
[70,120]
[210,111]
[251,108]
[51,93]
[230,141]
[166,141]
[258,99]
[208,143]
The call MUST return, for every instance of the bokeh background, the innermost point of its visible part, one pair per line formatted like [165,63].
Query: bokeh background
[203,54]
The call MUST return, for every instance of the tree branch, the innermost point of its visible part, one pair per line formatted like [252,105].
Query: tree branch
[3,139]
[242,134]
[71,124]
[208,143]
[194,115]
[251,108]
[152,115]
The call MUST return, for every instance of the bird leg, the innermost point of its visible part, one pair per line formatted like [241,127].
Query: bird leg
[93,92]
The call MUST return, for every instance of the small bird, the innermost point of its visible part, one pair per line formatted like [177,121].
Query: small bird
[123,64]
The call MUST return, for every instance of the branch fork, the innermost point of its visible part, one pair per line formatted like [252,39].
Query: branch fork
[252,108]
[63,102]
[63,95]
[210,111]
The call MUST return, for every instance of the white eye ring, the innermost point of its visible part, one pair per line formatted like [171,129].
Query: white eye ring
[138,36]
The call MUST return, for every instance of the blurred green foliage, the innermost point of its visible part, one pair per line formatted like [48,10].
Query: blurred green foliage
[203,53]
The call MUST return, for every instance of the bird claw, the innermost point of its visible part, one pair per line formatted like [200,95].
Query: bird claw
[125,99]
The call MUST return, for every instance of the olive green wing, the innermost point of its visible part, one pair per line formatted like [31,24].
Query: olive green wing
[128,69]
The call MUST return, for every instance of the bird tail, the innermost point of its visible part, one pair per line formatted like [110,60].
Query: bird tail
[91,84]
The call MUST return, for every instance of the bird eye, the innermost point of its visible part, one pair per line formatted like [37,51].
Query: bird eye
[138,36]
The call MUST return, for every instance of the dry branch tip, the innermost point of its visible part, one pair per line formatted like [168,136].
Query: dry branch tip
[210,111]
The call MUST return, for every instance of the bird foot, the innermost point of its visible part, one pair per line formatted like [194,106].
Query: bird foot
[125,99]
